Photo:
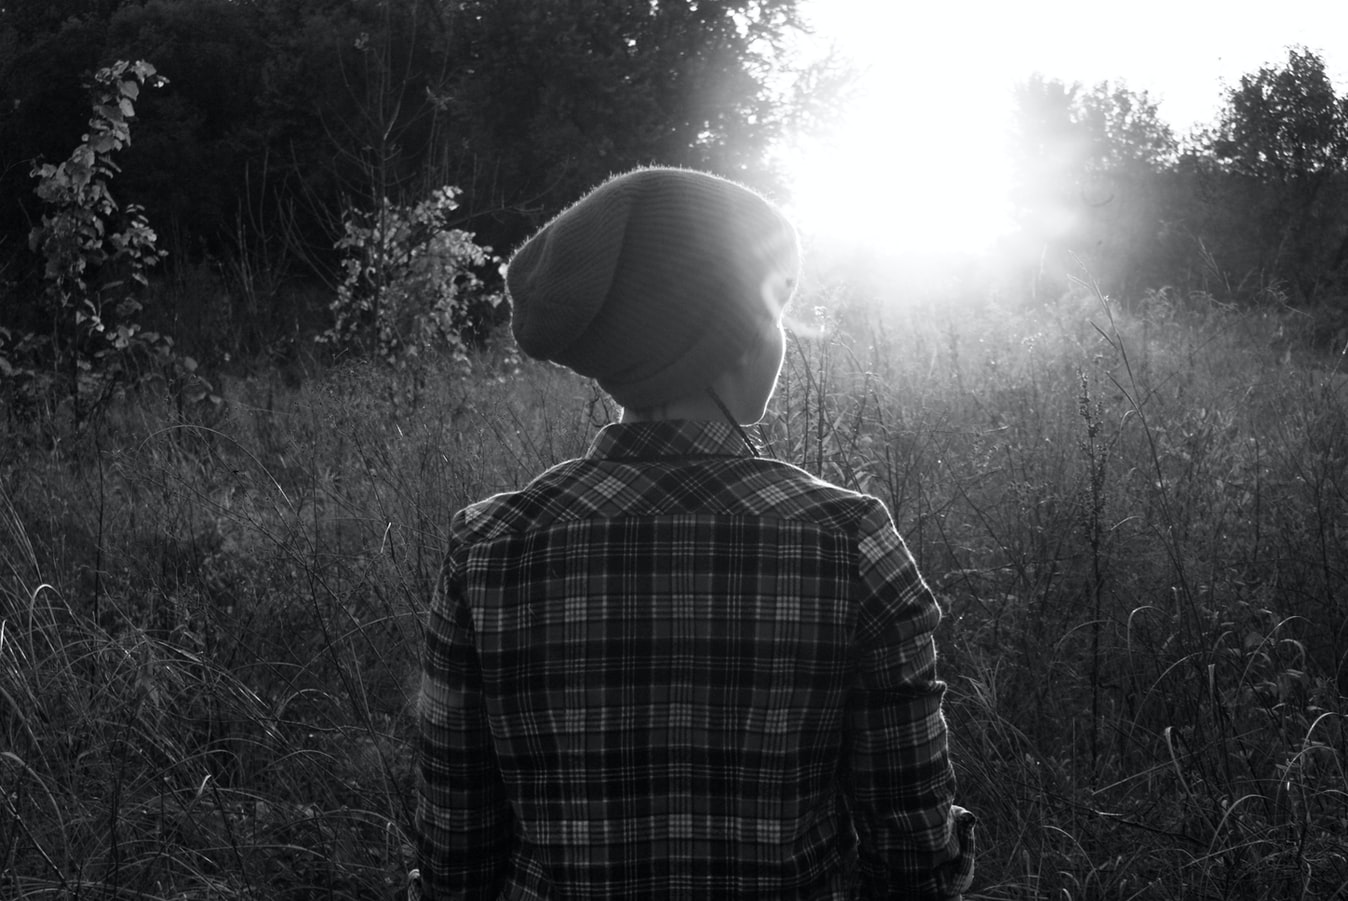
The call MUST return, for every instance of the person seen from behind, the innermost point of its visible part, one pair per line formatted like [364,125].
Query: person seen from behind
[675,668]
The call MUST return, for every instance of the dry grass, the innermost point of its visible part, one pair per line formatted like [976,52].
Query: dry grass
[1138,522]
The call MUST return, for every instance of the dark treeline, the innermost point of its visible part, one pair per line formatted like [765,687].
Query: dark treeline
[280,117]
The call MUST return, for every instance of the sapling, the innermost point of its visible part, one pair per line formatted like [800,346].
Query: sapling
[97,253]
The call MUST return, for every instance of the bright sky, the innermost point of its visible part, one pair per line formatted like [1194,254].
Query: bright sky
[917,162]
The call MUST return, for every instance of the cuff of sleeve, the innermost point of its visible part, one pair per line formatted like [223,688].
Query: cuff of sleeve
[955,877]
[414,886]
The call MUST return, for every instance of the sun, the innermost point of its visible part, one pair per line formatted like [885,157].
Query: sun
[902,183]
[917,164]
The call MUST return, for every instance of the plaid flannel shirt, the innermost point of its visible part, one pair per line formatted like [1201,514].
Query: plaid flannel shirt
[670,670]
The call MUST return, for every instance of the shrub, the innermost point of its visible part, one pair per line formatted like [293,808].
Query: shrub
[409,281]
[96,254]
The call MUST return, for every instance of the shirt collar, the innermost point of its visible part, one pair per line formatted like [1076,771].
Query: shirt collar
[664,439]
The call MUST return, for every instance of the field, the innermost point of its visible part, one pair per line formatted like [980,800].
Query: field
[1136,519]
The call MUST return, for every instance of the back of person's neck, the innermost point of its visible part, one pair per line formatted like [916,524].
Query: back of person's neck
[702,409]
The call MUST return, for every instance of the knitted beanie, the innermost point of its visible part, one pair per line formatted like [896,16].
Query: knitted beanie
[654,283]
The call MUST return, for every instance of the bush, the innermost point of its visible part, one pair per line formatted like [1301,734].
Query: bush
[410,280]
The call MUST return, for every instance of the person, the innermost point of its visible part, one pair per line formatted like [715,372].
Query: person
[675,668]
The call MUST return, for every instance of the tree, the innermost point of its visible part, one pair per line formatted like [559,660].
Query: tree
[96,253]
[1279,171]
[550,98]
[283,118]
[1284,123]
[43,100]
[1087,192]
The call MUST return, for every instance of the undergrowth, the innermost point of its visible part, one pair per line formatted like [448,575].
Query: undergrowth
[1136,519]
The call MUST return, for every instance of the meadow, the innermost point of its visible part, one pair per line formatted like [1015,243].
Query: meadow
[1135,516]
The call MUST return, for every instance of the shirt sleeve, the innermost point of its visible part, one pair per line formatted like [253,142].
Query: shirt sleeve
[900,782]
[464,822]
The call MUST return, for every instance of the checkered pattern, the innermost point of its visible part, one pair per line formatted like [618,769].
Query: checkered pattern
[668,670]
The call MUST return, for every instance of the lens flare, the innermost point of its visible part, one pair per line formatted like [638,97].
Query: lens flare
[907,171]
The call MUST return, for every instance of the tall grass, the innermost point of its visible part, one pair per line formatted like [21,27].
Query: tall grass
[209,631]
[1137,521]
[1139,524]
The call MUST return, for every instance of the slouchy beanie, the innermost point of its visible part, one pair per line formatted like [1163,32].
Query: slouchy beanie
[654,283]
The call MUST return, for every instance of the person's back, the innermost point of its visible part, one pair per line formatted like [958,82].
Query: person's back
[674,669]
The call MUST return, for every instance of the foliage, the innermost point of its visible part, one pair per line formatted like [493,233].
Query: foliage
[207,669]
[1086,192]
[1278,157]
[558,96]
[410,280]
[1284,122]
[333,104]
[209,635]
[73,238]
[1104,502]
[1249,210]
[96,256]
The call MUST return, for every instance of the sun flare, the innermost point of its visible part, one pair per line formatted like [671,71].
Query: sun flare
[917,164]
[901,180]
